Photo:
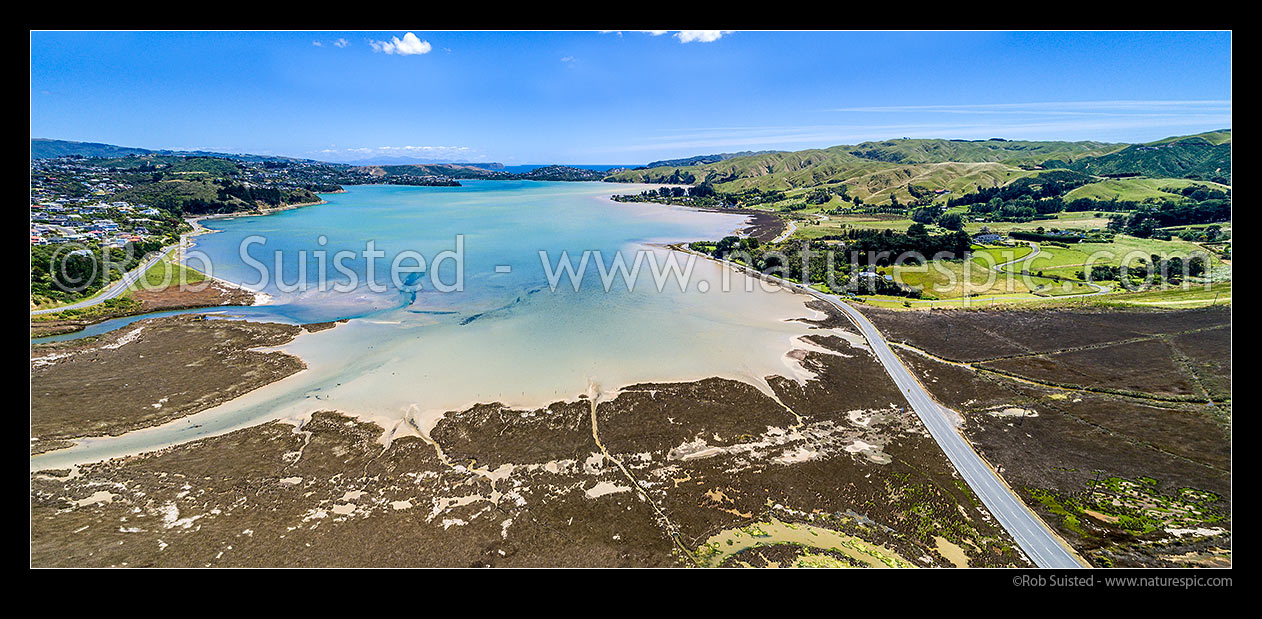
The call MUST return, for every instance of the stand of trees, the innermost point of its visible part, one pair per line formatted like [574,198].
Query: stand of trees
[849,267]
[1146,222]
[1168,270]
[63,274]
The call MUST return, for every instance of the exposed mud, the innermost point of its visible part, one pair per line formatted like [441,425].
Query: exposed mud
[148,373]
[640,477]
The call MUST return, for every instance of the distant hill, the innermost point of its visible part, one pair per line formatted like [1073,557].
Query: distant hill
[561,173]
[876,170]
[400,161]
[1205,156]
[700,159]
[475,172]
[43,148]
[976,151]
[463,171]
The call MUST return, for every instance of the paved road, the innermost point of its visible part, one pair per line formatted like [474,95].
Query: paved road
[787,232]
[1034,538]
[115,290]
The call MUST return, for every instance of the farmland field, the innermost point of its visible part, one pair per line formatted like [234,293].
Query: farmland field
[1136,189]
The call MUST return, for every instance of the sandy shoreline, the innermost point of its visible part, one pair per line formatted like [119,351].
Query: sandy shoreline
[186,243]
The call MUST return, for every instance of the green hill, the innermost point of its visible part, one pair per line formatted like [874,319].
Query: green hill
[432,169]
[174,165]
[872,170]
[1222,136]
[700,159]
[1205,156]
[203,195]
[43,148]
[1138,189]
[875,170]
[976,151]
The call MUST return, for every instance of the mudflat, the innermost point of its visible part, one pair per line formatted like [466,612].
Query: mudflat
[149,373]
[649,476]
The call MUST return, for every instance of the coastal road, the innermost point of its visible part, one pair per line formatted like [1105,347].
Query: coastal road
[793,226]
[116,289]
[1034,538]
[1038,542]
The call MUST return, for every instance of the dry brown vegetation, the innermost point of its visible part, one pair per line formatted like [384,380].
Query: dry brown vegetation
[640,479]
[1103,395]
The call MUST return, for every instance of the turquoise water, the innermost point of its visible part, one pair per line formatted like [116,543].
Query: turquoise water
[260,314]
[407,357]
[502,223]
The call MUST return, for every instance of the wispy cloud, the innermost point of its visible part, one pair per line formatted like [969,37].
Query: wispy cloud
[656,33]
[684,36]
[1063,108]
[341,43]
[337,43]
[409,45]
[420,152]
[1038,128]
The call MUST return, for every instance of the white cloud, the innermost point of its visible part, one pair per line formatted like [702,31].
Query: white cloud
[317,44]
[568,59]
[700,36]
[657,33]
[409,45]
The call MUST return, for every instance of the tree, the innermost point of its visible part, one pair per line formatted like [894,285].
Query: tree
[925,215]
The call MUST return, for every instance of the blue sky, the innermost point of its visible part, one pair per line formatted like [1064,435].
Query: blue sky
[615,97]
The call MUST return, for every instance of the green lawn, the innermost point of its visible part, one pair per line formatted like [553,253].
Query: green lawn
[953,279]
[167,272]
[999,254]
[1078,220]
[1136,189]
[1067,261]
[813,227]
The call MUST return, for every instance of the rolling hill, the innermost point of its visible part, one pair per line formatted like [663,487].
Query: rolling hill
[874,171]
[1205,156]
[42,148]
[700,159]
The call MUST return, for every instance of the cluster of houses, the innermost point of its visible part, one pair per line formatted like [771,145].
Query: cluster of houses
[63,221]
